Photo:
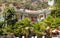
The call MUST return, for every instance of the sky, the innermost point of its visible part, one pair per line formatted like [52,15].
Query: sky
[51,2]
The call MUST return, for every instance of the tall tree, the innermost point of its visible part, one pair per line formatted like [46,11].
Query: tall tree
[10,15]
[56,9]
[57,4]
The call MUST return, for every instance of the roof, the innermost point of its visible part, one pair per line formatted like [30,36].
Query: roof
[33,11]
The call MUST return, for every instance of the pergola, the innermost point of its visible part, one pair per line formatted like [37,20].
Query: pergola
[33,11]
[43,12]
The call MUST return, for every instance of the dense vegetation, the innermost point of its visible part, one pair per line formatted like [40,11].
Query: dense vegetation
[26,27]
[27,4]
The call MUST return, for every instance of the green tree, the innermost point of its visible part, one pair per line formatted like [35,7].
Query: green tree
[25,25]
[38,28]
[1,24]
[50,22]
[56,4]
[1,27]
[27,4]
[55,13]
[56,9]
[10,16]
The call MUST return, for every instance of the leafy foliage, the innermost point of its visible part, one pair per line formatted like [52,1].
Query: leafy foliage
[22,26]
[1,27]
[10,15]
[55,13]
[56,4]
[56,9]
[25,26]
[1,24]
[53,23]
[28,4]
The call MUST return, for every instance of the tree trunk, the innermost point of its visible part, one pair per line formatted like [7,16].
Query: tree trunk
[50,33]
[26,35]
[36,35]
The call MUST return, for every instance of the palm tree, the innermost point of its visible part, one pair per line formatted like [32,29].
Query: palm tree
[51,22]
[36,28]
[24,24]
[39,28]
[17,29]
